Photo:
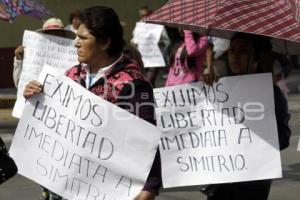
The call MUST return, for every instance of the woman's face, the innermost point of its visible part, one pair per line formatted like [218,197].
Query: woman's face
[76,22]
[241,56]
[88,49]
[143,13]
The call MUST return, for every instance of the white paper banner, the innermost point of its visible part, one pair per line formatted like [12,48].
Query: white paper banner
[81,146]
[147,36]
[217,134]
[41,49]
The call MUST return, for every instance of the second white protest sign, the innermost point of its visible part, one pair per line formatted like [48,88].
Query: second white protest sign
[218,134]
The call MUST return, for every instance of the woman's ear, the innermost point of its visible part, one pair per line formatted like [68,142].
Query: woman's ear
[105,44]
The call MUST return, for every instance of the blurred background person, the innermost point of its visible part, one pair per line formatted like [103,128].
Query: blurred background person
[245,57]
[187,58]
[217,48]
[52,26]
[163,43]
[75,19]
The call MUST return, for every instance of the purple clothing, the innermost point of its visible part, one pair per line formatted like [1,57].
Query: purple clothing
[179,72]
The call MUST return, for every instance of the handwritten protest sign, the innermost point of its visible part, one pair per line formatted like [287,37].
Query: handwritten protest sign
[41,49]
[146,36]
[217,134]
[81,146]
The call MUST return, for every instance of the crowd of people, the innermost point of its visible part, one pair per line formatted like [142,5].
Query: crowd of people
[105,59]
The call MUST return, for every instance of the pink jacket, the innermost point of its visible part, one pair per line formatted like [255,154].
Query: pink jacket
[179,73]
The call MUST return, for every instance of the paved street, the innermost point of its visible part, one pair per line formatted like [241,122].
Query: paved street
[20,188]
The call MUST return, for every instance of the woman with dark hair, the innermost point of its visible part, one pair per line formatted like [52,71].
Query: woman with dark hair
[245,57]
[109,74]
[187,59]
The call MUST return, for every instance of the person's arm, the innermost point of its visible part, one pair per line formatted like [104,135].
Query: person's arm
[210,59]
[282,118]
[194,48]
[17,71]
[18,62]
[133,40]
[145,195]
[32,88]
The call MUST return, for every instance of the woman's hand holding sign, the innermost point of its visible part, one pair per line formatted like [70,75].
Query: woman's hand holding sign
[209,79]
[145,195]
[32,89]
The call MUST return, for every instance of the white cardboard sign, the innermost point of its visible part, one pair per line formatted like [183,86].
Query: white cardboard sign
[41,49]
[81,146]
[147,36]
[218,134]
